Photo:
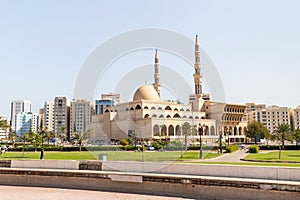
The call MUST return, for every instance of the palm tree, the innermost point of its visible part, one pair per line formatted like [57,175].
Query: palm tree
[186,127]
[282,133]
[81,137]
[3,123]
[12,137]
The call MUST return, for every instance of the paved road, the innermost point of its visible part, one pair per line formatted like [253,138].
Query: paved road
[36,193]
[229,157]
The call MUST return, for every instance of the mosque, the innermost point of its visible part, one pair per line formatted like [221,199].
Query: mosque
[147,116]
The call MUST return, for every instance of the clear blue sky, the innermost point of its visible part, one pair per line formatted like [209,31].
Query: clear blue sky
[254,44]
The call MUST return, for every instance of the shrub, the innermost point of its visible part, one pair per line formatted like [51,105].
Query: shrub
[253,149]
[124,142]
[232,148]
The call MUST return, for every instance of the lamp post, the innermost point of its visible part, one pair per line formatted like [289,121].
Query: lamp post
[42,149]
[200,131]
[225,133]
[220,140]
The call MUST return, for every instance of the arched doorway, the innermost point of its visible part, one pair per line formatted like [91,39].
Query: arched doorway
[178,130]
[155,130]
[171,130]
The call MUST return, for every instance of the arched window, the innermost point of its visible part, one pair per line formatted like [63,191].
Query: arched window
[146,107]
[188,110]
[184,117]
[155,130]
[168,116]
[191,117]
[206,130]
[176,115]
[168,108]
[146,116]
[212,130]
[159,108]
[171,130]
[138,107]
[234,131]
[154,116]
[175,109]
[106,110]
[181,109]
[161,116]
[163,130]
[178,130]
[196,117]
[153,108]
[126,109]
[131,108]
[240,131]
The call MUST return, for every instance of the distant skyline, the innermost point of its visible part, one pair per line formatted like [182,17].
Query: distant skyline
[254,45]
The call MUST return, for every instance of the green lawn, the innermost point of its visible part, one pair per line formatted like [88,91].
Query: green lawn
[111,155]
[248,164]
[293,156]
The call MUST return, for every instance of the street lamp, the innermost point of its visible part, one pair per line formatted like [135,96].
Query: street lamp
[42,150]
[200,131]
[220,140]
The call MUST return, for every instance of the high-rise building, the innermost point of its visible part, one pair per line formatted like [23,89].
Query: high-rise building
[48,116]
[270,116]
[41,118]
[23,123]
[296,117]
[80,116]
[61,117]
[35,121]
[17,107]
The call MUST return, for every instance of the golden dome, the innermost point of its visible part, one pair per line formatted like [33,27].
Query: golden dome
[146,92]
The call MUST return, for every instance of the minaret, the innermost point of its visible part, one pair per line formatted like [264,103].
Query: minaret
[197,76]
[156,83]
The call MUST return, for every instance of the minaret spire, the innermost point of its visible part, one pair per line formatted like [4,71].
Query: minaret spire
[197,66]
[156,83]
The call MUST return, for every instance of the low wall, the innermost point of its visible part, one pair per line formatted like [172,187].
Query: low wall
[168,185]
[256,172]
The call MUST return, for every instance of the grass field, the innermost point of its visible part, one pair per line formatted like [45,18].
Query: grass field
[111,155]
[248,164]
[292,156]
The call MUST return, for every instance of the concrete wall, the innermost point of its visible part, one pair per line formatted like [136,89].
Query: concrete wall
[256,172]
[167,185]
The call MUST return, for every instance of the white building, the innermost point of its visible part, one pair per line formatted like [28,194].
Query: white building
[80,115]
[17,107]
[35,121]
[49,116]
[116,98]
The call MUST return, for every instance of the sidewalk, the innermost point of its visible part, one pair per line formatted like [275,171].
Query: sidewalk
[229,157]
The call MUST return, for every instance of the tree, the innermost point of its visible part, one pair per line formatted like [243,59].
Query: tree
[186,127]
[3,123]
[12,137]
[81,137]
[49,135]
[282,133]
[296,136]
[256,129]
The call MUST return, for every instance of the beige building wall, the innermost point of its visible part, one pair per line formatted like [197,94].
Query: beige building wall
[80,116]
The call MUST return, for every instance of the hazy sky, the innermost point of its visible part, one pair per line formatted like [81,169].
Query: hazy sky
[254,44]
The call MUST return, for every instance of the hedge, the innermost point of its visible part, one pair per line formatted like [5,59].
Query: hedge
[253,149]
[232,148]
[276,147]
